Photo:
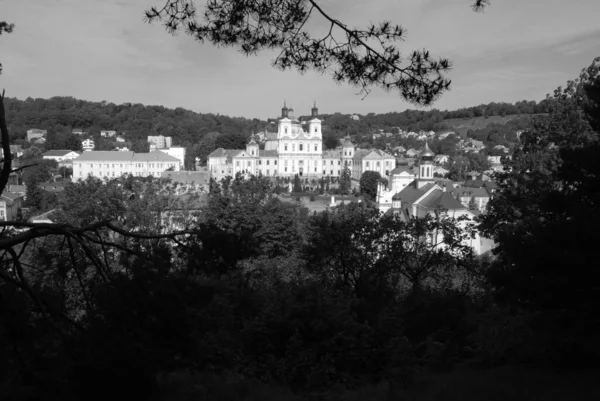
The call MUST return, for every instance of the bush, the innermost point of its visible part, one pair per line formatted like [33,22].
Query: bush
[312,198]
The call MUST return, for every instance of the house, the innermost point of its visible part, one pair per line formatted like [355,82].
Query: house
[161,142]
[440,171]
[502,148]
[46,217]
[10,205]
[446,135]
[355,117]
[53,187]
[88,145]
[39,141]
[78,131]
[122,149]
[399,149]
[120,139]
[411,152]
[190,181]
[108,134]
[494,159]
[465,195]
[18,190]
[35,133]
[60,155]
[176,151]
[441,159]
[477,144]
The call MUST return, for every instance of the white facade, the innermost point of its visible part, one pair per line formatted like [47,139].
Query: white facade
[177,152]
[297,148]
[60,155]
[88,145]
[113,164]
[108,134]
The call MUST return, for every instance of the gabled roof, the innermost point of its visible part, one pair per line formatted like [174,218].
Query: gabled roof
[441,200]
[10,196]
[411,193]
[105,155]
[271,136]
[155,155]
[58,152]
[402,169]
[480,192]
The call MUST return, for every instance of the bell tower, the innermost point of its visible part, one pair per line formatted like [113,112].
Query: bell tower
[425,167]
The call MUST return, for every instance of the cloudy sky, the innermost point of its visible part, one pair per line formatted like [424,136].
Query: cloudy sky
[103,50]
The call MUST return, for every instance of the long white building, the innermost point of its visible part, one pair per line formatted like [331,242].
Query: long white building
[297,148]
[112,164]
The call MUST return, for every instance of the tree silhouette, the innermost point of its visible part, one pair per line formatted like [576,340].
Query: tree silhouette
[364,58]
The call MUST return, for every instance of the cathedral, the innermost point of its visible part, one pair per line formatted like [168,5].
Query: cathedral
[297,148]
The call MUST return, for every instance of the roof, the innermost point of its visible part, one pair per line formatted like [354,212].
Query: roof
[411,193]
[401,169]
[58,152]
[333,153]
[427,152]
[155,155]
[480,192]
[228,153]
[43,216]
[268,153]
[271,136]
[105,155]
[16,188]
[441,200]
[10,196]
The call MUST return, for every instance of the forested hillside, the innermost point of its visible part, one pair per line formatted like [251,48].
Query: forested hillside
[198,132]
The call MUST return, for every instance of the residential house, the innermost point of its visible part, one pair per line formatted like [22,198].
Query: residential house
[494,159]
[10,205]
[411,152]
[176,151]
[465,194]
[46,217]
[18,190]
[60,155]
[160,141]
[189,181]
[440,171]
[35,133]
[120,139]
[441,159]
[108,134]
[79,131]
[88,145]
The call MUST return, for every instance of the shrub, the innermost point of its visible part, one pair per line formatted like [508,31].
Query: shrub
[312,198]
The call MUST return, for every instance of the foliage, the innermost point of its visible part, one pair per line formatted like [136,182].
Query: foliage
[544,217]
[368,183]
[345,180]
[5,27]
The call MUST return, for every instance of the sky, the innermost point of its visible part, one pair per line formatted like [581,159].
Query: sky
[104,50]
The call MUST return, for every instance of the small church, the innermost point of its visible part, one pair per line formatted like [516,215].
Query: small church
[416,194]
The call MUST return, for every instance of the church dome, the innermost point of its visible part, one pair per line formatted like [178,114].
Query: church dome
[427,153]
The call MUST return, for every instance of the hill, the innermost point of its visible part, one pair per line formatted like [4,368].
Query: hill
[464,125]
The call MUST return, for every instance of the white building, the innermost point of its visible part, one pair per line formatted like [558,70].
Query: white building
[108,134]
[35,133]
[297,148]
[161,142]
[112,164]
[60,155]
[177,152]
[422,196]
[88,145]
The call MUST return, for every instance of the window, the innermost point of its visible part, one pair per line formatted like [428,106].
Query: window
[331,162]
[237,163]
[378,164]
[339,163]
[315,129]
[260,162]
[252,152]
[286,130]
[267,162]
[315,169]
[285,147]
[367,164]
[275,163]
[293,147]
[249,163]
[331,172]
[285,168]
[315,148]
[301,147]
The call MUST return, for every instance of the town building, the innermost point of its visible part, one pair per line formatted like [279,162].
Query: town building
[177,152]
[108,134]
[161,142]
[112,164]
[35,133]
[297,148]
[79,131]
[422,196]
[10,205]
[60,155]
[88,145]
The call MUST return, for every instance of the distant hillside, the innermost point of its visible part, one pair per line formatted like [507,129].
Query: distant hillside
[463,125]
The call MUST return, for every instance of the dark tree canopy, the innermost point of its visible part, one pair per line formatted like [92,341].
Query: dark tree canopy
[231,141]
[362,57]
[5,27]
[368,183]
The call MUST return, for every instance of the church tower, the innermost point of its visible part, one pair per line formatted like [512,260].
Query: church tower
[425,167]
[252,148]
[285,123]
[285,112]
[314,124]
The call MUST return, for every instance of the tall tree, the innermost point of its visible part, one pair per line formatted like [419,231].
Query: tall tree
[5,27]
[368,183]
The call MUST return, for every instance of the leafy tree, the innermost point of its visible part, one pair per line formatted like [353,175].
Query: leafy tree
[544,218]
[473,204]
[345,180]
[231,141]
[297,185]
[368,183]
